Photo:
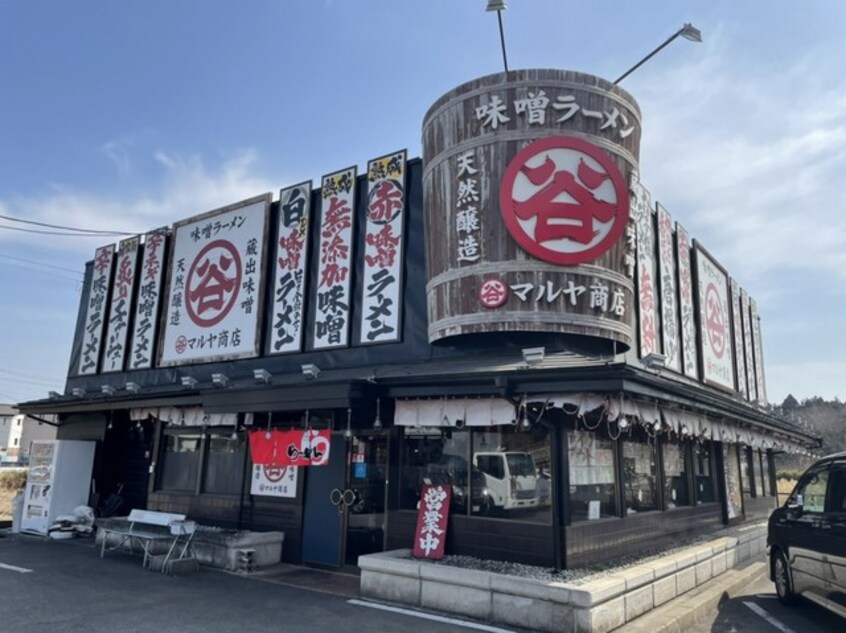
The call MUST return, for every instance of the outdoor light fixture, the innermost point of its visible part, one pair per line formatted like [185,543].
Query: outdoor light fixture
[685,430]
[688,32]
[654,360]
[623,423]
[54,394]
[262,376]
[107,390]
[133,387]
[348,432]
[79,392]
[499,6]
[310,371]
[533,355]
[656,426]
[220,380]
[377,421]
[188,382]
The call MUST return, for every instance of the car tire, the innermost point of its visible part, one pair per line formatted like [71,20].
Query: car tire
[782,578]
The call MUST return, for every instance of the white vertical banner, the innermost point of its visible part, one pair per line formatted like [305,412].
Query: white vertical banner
[146,323]
[289,270]
[757,343]
[715,342]
[120,306]
[215,285]
[690,356]
[95,311]
[381,301]
[332,309]
[669,291]
[751,382]
[737,328]
[641,210]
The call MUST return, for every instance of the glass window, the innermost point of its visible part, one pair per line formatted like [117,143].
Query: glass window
[639,476]
[433,455]
[837,491]
[745,471]
[765,467]
[675,476]
[510,476]
[180,461]
[593,486]
[758,473]
[703,479]
[813,489]
[224,464]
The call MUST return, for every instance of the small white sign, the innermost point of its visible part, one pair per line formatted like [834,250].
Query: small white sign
[593,509]
[274,481]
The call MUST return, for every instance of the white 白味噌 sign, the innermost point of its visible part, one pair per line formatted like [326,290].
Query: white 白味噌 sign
[215,285]
[751,383]
[641,211]
[381,301]
[120,306]
[332,309]
[667,278]
[737,327]
[146,324]
[715,342]
[690,356]
[289,270]
[96,310]
[758,356]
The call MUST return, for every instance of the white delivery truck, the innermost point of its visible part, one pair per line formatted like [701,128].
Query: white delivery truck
[511,479]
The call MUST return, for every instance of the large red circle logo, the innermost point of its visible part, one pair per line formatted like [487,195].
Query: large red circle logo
[564,200]
[212,285]
[715,320]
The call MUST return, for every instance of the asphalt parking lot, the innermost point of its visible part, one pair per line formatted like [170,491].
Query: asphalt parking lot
[58,586]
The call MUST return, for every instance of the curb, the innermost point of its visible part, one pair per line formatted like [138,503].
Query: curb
[682,613]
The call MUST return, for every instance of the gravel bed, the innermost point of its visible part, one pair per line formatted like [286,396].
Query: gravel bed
[573,576]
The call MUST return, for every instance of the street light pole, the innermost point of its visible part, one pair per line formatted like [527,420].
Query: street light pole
[499,6]
[688,31]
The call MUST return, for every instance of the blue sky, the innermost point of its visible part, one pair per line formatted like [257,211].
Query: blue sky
[130,116]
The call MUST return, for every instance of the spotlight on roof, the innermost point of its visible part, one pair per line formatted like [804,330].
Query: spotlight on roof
[310,371]
[188,382]
[78,392]
[533,355]
[107,390]
[220,380]
[654,360]
[262,376]
[133,387]
[54,394]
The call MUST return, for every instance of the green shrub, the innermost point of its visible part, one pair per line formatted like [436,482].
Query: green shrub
[12,479]
[788,474]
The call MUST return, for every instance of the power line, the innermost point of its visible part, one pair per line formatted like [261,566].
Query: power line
[64,228]
[35,263]
[66,234]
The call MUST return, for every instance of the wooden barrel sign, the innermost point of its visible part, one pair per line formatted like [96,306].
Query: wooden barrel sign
[525,191]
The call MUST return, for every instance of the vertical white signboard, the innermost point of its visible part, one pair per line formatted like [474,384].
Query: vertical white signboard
[123,289]
[146,323]
[381,301]
[215,285]
[737,328]
[715,342]
[289,270]
[641,210]
[332,310]
[95,311]
[751,382]
[757,343]
[690,355]
[669,304]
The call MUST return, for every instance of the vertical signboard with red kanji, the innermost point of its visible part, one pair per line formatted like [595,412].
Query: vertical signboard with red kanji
[146,323]
[641,210]
[669,306]
[95,311]
[690,355]
[751,382]
[715,342]
[215,285]
[739,353]
[432,517]
[758,357]
[289,270]
[381,301]
[332,309]
[123,288]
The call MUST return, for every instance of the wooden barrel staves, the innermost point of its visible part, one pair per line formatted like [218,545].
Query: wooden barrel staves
[525,187]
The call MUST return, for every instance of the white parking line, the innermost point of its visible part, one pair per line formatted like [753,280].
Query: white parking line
[429,616]
[781,627]
[20,570]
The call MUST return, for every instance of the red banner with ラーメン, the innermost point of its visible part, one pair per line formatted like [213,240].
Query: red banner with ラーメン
[290,448]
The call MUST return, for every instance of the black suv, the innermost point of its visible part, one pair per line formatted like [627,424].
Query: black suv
[806,538]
